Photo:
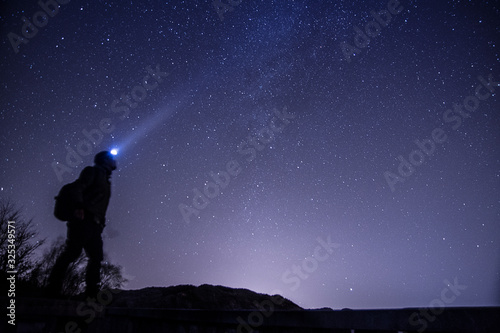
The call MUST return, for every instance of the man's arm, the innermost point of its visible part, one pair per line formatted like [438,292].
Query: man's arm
[85,180]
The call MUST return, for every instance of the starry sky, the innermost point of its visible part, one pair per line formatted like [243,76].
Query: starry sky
[340,153]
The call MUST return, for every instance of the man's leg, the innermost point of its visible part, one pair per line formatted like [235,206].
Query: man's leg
[93,248]
[71,252]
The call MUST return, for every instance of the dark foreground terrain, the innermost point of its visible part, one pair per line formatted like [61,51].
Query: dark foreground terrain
[217,309]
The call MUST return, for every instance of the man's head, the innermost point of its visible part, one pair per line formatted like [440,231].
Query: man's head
[105,160]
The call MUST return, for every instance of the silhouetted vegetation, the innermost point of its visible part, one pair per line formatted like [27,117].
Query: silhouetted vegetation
[33,269]
[24,240]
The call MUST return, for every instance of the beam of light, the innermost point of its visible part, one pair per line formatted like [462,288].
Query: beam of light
[157,119]
[148,125]
[160,117]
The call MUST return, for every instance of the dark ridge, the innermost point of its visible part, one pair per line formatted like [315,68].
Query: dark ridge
[206,297]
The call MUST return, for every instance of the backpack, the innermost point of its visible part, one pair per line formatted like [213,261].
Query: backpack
[66,202]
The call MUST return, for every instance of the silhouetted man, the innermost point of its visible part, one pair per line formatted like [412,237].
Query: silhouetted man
[92,191]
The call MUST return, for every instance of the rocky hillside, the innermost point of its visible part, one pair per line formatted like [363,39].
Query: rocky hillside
[205,297]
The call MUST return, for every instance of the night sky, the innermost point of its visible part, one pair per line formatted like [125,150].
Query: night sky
[340,153]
